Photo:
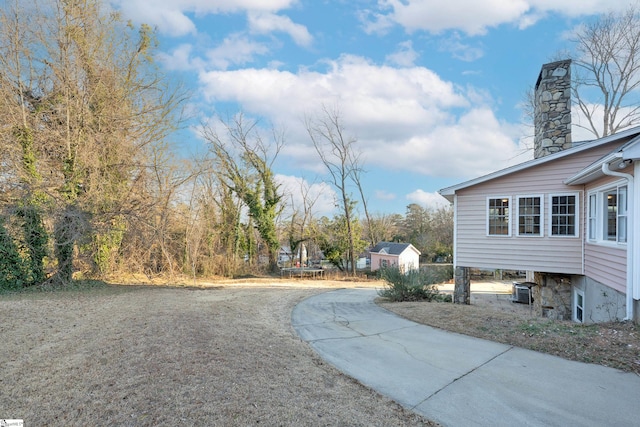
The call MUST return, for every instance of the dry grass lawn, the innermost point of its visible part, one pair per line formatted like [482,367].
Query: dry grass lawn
[147,356]
[494,317]
[225,354]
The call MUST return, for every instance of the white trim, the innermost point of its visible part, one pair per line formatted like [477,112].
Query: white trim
[517,214]
[455,231]
[630,253]
[448,192]
[509,216]
[574,305]
[633,224]
[576,214]
[588,218]
[599,193]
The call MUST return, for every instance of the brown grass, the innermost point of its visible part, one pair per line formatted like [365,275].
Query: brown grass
[147,356]
[224,353]
[615,344]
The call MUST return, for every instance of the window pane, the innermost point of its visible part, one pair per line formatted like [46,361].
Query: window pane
[592,216]
[529,216]
[563,215]
[611,217]
[622,215]
[498,217]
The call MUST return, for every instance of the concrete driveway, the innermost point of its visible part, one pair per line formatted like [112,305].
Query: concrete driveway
[458,380]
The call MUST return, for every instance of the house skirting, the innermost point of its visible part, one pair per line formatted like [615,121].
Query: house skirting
[556,297]
[601,303]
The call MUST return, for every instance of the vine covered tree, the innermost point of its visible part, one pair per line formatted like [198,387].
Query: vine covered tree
[243,162]
[82,103]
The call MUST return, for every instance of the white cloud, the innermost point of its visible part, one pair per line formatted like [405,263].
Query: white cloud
[265,23]
[320,197]
[384,195]
[170,16]
[234,50]
[474,144]
[476,17]
[405,56]
[426,199]
[461,50]
[181,59]
[405,119]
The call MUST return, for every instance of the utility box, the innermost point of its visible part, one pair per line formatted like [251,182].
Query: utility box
[521,292]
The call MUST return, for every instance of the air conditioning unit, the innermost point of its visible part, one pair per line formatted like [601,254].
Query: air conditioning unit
[521,292]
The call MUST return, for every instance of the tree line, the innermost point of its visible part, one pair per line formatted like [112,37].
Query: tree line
[92,186]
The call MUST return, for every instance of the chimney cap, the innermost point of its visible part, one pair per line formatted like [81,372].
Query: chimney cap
[549,65]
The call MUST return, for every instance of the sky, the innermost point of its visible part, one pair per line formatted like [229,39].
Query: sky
[430,89]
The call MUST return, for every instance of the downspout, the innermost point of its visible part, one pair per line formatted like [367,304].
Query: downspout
[630,234]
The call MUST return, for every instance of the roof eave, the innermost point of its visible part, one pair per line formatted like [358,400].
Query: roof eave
[449,192]
[630,151]
[592,172]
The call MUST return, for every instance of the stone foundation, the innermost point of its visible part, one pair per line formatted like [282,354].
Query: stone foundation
[462,287]
[552,296]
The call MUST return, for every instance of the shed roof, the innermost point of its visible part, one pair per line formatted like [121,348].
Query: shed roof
[392,248]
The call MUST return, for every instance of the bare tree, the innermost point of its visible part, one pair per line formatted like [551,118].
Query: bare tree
[607,72]
[384,227]
[338,154]
[301,217]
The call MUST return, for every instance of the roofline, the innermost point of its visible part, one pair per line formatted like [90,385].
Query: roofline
[449,192]
[594,170]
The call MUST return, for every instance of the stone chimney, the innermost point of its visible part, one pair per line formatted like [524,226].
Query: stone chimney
[552,109]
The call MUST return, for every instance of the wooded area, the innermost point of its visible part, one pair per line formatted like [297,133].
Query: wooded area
[91,185]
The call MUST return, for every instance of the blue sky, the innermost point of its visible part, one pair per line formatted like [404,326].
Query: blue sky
[430,88]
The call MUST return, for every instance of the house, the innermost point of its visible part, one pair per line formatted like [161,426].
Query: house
[402,255]
[285,256]
[570,217]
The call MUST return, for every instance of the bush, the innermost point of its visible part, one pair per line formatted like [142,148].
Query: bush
[12,268]
[411,286]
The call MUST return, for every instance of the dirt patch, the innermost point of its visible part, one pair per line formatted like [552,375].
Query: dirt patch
[494,317]
[146,356]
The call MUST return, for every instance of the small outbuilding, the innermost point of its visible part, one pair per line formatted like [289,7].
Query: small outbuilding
[388,254]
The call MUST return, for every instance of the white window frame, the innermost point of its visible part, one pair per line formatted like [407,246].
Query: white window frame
[597,233]
[541,215]
[592,216]
[508,216]
[576,215]
[578,309]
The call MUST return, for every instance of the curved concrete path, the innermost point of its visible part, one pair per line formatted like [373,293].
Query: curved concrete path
[458,380]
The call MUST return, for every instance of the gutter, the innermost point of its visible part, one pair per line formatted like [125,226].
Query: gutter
[630,233]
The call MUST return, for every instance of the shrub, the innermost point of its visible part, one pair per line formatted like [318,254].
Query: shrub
[413,285]
[35,243]
[12,268]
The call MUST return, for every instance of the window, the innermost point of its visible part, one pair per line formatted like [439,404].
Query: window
[593,217]
[563,220]
[608,215]
[578,305]
[530,216]
[498,216]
